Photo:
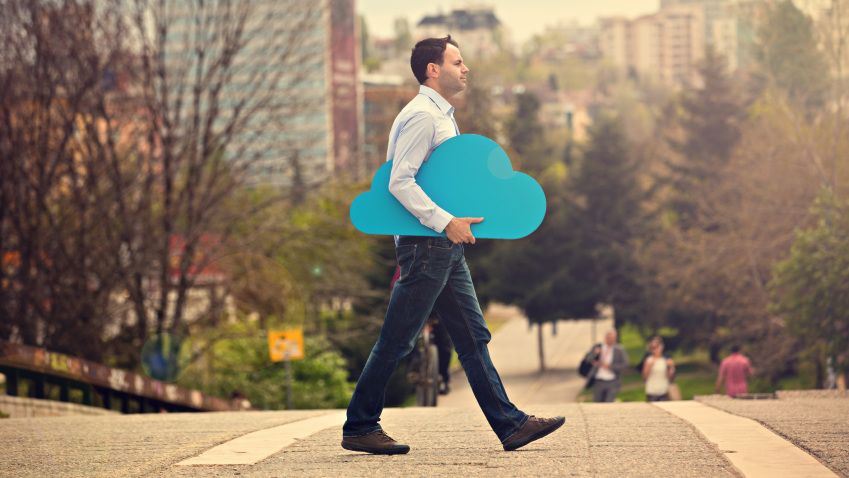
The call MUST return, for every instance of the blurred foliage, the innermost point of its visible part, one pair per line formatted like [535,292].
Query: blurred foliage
[304,264]
[789,56]
[708,120]
[236,359]
[582,254]
[811,286]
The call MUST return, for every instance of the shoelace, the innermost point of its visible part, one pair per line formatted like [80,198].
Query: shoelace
[384,437]
[539,419]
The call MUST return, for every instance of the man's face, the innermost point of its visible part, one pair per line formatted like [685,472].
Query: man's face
[610,338]
[452,72]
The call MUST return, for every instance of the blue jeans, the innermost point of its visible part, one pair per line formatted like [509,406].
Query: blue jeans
[434,274]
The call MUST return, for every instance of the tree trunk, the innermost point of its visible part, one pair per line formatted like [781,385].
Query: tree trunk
[819,369]
[540,348]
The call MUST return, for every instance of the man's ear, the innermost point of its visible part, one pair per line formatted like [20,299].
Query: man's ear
[433,68]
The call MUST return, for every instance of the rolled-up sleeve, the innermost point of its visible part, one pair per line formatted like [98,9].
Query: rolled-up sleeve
[412,148]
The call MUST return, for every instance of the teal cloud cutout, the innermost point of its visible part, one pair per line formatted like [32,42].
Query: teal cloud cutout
[468,176]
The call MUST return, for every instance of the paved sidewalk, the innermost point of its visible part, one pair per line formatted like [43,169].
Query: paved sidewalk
[619,440]
[121,445]
[815,421]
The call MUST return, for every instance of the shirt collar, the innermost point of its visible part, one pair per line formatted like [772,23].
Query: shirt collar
[441,102]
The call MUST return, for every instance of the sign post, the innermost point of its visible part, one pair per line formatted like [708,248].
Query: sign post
[285,346]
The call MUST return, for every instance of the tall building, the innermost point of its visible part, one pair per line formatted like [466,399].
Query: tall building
[613,41]
[729,27]
[713,10]
[478,31]
[665,46]
[305,55]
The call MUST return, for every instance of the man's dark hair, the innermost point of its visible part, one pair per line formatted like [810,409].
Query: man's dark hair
[735,348]
[429,50]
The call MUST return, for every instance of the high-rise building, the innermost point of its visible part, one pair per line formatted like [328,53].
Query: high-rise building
[713,10]
[729,27]
[665,46]
[304,56]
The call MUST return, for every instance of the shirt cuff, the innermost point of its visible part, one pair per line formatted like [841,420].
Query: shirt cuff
[438,221]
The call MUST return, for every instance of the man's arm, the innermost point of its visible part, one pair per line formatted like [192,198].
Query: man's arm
[647,365]
[720,377]
[412,148]
[620,360]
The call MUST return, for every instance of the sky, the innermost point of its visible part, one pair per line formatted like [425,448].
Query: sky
[524,18]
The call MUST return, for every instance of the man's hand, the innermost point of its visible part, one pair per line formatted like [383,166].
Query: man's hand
[459,230]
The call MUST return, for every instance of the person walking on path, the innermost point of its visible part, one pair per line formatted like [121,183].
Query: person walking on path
[734,373]
[606,374]
[434,273]
[658,370]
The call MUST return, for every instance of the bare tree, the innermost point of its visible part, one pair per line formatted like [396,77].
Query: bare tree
[126,126]
[213,75]
[56,275]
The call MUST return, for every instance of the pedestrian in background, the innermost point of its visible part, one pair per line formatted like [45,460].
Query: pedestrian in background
[658,371]
[606,373]
[734,373]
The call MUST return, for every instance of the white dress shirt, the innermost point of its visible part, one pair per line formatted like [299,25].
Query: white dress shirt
[607,359]
[421,126]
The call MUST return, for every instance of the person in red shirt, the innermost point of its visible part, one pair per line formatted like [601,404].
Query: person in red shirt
[734,372]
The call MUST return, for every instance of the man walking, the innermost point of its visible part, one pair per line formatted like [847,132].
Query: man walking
[611,360]
[434,274]
[734,373]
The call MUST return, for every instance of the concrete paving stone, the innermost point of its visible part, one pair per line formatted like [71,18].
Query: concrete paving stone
[817,425]
[597,440]
[637,439]
[122,445]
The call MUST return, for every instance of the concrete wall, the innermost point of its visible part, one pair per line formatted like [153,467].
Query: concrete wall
[19,407]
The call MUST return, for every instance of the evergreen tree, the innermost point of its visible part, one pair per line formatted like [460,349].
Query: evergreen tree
[788,54]
[811,286]
[709,123]
[476,117]
[582,253]
[610,218]
[524,129]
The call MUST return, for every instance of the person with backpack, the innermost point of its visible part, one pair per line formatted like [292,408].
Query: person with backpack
[604,364]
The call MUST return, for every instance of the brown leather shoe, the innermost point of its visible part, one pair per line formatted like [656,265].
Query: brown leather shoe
[533,429]
[376,442]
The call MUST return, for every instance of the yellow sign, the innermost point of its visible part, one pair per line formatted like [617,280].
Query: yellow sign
[286,344]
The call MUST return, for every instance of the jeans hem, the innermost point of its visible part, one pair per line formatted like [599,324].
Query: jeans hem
[359,434]
[516,429]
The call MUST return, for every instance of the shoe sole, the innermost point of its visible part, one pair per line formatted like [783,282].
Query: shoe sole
[535,436]
[401,450]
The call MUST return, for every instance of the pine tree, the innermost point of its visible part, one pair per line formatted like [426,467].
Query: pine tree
[787,52]
[476,117]
[611,218]
[710,117]
[524,128]
[582,254]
